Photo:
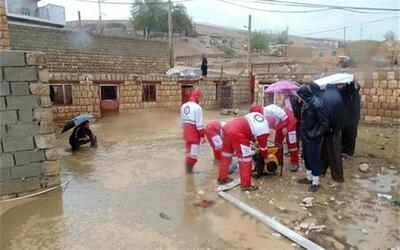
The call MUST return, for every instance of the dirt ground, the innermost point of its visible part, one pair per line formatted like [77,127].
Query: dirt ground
[132,193]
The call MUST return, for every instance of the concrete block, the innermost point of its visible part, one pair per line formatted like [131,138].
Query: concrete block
[25,129]
[2,103]
[3,132]
[10,58]
[51,154]
[25,115]
[43,75]
[51,168]
[22,102]
[8,117]
[20,74]
[20,88]
[40,89]
[53,181]
[46,127]
[36,58]
[6,160]
[391,75]
[33,169]
[45,102]
[4,88]
[383,84]
[393,84]
[11,187]
[41,114]
[45,141]
[32,184]
[11,144]
[5,175]
[25,157]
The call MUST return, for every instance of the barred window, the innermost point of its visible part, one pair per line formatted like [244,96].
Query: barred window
[149,93]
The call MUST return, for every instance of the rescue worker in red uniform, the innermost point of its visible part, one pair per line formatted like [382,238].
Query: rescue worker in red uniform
[193,128]
[213,133]
[284,123]
[238,134]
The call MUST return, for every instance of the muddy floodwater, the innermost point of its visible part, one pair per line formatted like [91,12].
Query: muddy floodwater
[131,192]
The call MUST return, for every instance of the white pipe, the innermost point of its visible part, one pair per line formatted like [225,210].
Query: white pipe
[302,241]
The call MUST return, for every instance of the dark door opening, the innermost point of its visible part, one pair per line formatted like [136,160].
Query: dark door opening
[186,92]
[226,97]
[109,98]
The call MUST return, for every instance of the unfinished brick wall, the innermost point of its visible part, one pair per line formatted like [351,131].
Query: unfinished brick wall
[82,52]
[380,93]
[28,161]
[241,92]
[380,96]
[4,34]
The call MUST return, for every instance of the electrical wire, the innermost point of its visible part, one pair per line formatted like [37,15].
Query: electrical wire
[126,3]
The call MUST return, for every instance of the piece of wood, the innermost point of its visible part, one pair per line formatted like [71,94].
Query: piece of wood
[302,241]
[229,185]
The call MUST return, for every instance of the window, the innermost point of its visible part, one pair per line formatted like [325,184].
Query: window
[61,94]
[109,92]
[149,93]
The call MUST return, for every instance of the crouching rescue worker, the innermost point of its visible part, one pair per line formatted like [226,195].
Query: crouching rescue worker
[238,134]
[213,133]
[314,124]
[82,135]
[285,124]
[193,129]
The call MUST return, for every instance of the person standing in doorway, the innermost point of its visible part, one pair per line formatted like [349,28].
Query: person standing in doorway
[314,124]
[193,128]
[204,65]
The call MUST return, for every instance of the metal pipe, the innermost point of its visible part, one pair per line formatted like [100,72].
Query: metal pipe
[302,241]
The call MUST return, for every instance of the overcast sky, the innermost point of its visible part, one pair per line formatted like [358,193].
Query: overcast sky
[225,14]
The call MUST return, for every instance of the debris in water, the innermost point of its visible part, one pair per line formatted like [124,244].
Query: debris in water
[201,192]
[205,203]
[363,167]
[316,228]
[271,202]
[386,196]
[307,202]
[164,216]
[332,199]
[392,167]
[294,245]
[364,231]
[340,203]
[304,225]
[276,234]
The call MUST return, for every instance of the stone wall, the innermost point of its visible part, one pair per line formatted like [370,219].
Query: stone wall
[380,92]
[4,34]
[28,161]
[86,92]
[82,52]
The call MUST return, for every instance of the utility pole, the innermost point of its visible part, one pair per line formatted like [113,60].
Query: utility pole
[79,20]
[361,33]
[249,45]
[100,25]
[170,31]
[344,35]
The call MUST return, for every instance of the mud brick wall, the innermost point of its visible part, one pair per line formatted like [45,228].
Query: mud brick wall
[28,161]
[4,33]
[241,92]
[82,52]
[380,96]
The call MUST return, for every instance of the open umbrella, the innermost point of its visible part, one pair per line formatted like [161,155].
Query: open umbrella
[281,86]
[334,79]
[76,121]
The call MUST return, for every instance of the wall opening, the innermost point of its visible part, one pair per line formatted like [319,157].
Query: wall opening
[61,94]
[109,98]
[149,93]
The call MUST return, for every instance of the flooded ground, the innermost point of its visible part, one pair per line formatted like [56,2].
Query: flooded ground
[132,193]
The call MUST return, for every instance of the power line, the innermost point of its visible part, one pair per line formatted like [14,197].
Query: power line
[276,11]
[304,4]
[126,3]
[350,26]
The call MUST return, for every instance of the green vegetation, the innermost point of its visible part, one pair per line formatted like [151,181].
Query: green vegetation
[259,40]
[153,14]
[228,51]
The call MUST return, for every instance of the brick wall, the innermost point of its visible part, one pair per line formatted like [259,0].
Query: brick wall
[28,161]
[82,52]
[380,93]
[4,34]
[86,92]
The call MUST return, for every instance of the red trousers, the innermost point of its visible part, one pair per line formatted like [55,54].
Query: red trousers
[192,152]
[291,141]
[241,146]
[215,141]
